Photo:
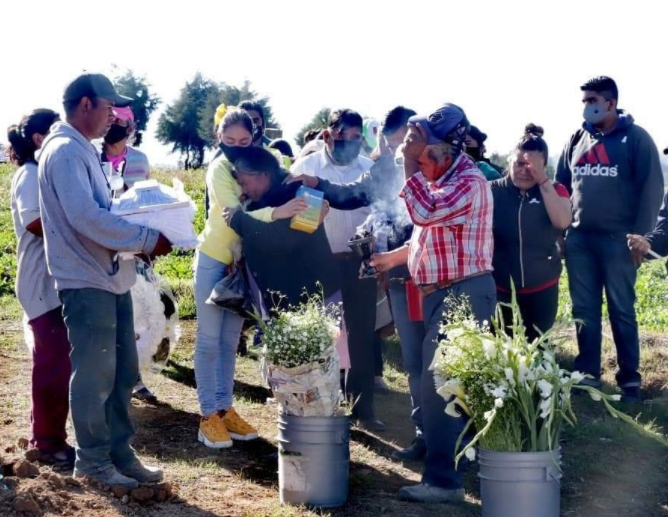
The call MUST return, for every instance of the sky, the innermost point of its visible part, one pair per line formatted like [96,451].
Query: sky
[507,63]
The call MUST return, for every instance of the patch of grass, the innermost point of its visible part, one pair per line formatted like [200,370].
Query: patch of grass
[185,296]
[10,309]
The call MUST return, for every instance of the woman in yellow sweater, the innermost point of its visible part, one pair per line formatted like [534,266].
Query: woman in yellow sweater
[218,330]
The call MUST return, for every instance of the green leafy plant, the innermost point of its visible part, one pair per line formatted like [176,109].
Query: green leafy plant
[303,334]
[513,391]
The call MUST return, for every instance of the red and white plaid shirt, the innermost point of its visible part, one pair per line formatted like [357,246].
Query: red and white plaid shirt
[453,218]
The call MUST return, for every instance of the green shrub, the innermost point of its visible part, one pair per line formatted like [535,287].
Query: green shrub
[651,297]
[7,236]
[185,296]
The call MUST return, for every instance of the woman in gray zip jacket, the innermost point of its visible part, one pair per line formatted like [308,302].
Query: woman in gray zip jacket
[530,214]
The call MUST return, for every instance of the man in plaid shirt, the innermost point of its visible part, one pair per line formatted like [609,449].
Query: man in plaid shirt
[449,255]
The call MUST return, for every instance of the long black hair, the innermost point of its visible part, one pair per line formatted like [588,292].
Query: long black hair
[22,146]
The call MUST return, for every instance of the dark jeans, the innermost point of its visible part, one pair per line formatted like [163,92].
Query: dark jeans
[359,306]
[104,371]
[440,430]
[378,345]
[538,310]
[411,338]
[50,382]
[598,262]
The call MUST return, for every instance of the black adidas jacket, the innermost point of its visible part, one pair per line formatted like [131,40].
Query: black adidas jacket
[525,242]
[615,180]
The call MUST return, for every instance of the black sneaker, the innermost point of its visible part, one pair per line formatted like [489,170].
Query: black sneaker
[631,395]
[145,395]
[416,451]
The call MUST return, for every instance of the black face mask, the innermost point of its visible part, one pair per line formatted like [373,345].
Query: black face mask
[474,152]
[345,151]
[116,134]
[231,152]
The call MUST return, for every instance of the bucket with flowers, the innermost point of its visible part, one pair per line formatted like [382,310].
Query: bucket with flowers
[517,399]
[300,363]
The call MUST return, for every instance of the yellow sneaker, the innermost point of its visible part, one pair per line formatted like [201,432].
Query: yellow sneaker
[213,432]
[238,428]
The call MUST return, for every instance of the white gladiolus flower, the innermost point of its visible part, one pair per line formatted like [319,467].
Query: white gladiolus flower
[595,396]
[451,387]
[545,408]
[523,370]
[500,392]
[498,403]
[510,376]
[470,454]
[577,376]
[548,356]
[451,408]
[545,388]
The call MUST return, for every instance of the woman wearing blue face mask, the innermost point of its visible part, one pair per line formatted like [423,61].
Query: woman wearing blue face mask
[218,330]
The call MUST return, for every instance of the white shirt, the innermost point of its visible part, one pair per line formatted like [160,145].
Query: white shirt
[35,288]
[340,225]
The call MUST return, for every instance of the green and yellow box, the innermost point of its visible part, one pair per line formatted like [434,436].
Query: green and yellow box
[308,220]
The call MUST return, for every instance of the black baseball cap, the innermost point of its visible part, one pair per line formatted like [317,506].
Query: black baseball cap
[94,85]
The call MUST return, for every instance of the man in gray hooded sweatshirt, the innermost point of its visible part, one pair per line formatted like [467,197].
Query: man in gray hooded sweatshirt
[82,240]
[612,169]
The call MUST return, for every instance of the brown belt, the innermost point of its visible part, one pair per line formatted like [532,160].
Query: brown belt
[428,289]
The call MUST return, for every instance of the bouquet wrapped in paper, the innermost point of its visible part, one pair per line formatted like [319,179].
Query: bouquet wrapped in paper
[300,361]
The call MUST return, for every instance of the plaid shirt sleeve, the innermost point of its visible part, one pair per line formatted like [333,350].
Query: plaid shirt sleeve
[447,204]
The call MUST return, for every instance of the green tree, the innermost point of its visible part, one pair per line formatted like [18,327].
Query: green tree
[231,96]
[179,125]
[144,103]
[502,160]
[319,121]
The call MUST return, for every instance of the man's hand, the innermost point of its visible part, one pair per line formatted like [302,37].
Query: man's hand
[228,213]
[388,260]
[415,142]
[639,247]
[383,261]
[306,180]
[291,208]
[162,247]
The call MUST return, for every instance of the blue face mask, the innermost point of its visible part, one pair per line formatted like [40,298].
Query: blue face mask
[594,114]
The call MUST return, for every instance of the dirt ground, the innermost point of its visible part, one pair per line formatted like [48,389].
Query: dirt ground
[608,470]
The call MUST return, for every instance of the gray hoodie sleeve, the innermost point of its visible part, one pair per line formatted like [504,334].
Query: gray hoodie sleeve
[71,184]
[564,174]
[649,181]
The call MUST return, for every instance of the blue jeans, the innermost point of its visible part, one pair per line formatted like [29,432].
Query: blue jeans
[218,332]
[100,327]
[598,262]
[440,430]
[411,337]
